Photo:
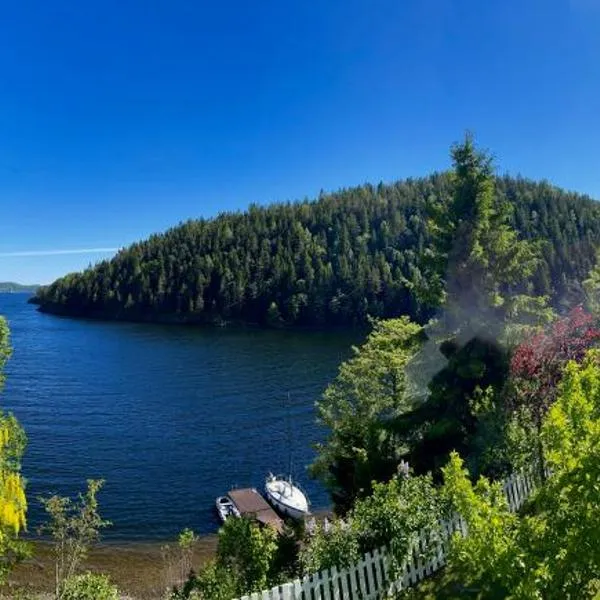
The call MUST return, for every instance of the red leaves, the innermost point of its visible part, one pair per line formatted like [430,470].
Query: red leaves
[537,364]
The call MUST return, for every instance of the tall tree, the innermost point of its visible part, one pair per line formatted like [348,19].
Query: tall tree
[591,287]
[369,389]
[477,263]
[478,266]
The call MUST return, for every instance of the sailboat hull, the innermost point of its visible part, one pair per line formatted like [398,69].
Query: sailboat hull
[286,498]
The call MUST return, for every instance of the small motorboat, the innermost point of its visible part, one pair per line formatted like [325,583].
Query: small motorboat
[286,497]
[226,508]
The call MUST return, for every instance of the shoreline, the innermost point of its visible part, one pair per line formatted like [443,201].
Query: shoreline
[139,569]
[187,320]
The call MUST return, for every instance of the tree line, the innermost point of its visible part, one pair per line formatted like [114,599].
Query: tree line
[349,255]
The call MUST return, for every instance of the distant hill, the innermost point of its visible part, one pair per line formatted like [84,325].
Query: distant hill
[333,261]
[11,286]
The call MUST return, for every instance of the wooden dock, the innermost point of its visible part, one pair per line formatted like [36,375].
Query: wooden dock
[253,506]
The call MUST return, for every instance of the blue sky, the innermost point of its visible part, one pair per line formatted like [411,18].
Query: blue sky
[120,119]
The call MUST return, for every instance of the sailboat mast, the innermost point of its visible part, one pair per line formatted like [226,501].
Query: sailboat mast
[289,432]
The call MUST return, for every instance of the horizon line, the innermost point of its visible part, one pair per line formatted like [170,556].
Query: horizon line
[24,253]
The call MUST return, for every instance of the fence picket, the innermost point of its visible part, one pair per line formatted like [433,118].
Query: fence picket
[377,574]
[418,560]
[311,587]
[513,495]
[385,565]
[287,590]
[297,590]
[317,586]
[345,588]
[370,575]
[336,592]
[522,492]
[306,587]
[352,571]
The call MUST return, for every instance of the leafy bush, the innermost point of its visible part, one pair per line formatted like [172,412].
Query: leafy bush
[213,582]
[91,586]
[334,546]
[246,551]
[394,516]
[74,527]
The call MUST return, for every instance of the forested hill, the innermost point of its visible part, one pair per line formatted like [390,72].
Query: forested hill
[329,262]
[12,287]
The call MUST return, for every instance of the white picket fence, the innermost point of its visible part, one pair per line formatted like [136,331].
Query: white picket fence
[370,578]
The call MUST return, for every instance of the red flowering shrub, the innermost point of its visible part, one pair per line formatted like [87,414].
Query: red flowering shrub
[538,363]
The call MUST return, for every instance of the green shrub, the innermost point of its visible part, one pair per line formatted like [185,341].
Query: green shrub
[91,586]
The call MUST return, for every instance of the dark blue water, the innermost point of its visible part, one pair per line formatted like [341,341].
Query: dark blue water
[170,417]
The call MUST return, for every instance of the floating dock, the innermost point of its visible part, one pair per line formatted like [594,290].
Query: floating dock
[253,506]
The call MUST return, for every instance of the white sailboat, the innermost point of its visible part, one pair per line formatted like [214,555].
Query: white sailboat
[281,491]
[286,497]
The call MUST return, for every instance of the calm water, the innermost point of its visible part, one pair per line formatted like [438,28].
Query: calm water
[171,417]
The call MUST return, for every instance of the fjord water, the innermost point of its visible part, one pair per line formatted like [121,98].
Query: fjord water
[169,416]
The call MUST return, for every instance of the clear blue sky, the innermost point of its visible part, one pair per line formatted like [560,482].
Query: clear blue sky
[119,119]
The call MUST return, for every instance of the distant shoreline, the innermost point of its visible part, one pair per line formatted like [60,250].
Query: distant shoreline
[17,288]
[172,319]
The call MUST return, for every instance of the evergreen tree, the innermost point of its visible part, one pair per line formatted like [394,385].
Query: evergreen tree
[479,263]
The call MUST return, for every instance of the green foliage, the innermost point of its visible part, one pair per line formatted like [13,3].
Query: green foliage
[5,348]
[13,504]
[478,261]
[285,564]
[246,550]
[525,316]
[369,388]
[489,556]
[74,527]
[90,586]
[249,558]
[333,546]
[186,543]
[551,551]
[348,255]
[395,515]
[214,582]
[460,410]
[568,503]
[187,539]
[591,287]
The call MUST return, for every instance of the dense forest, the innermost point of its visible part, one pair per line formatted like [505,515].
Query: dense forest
[333,261]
